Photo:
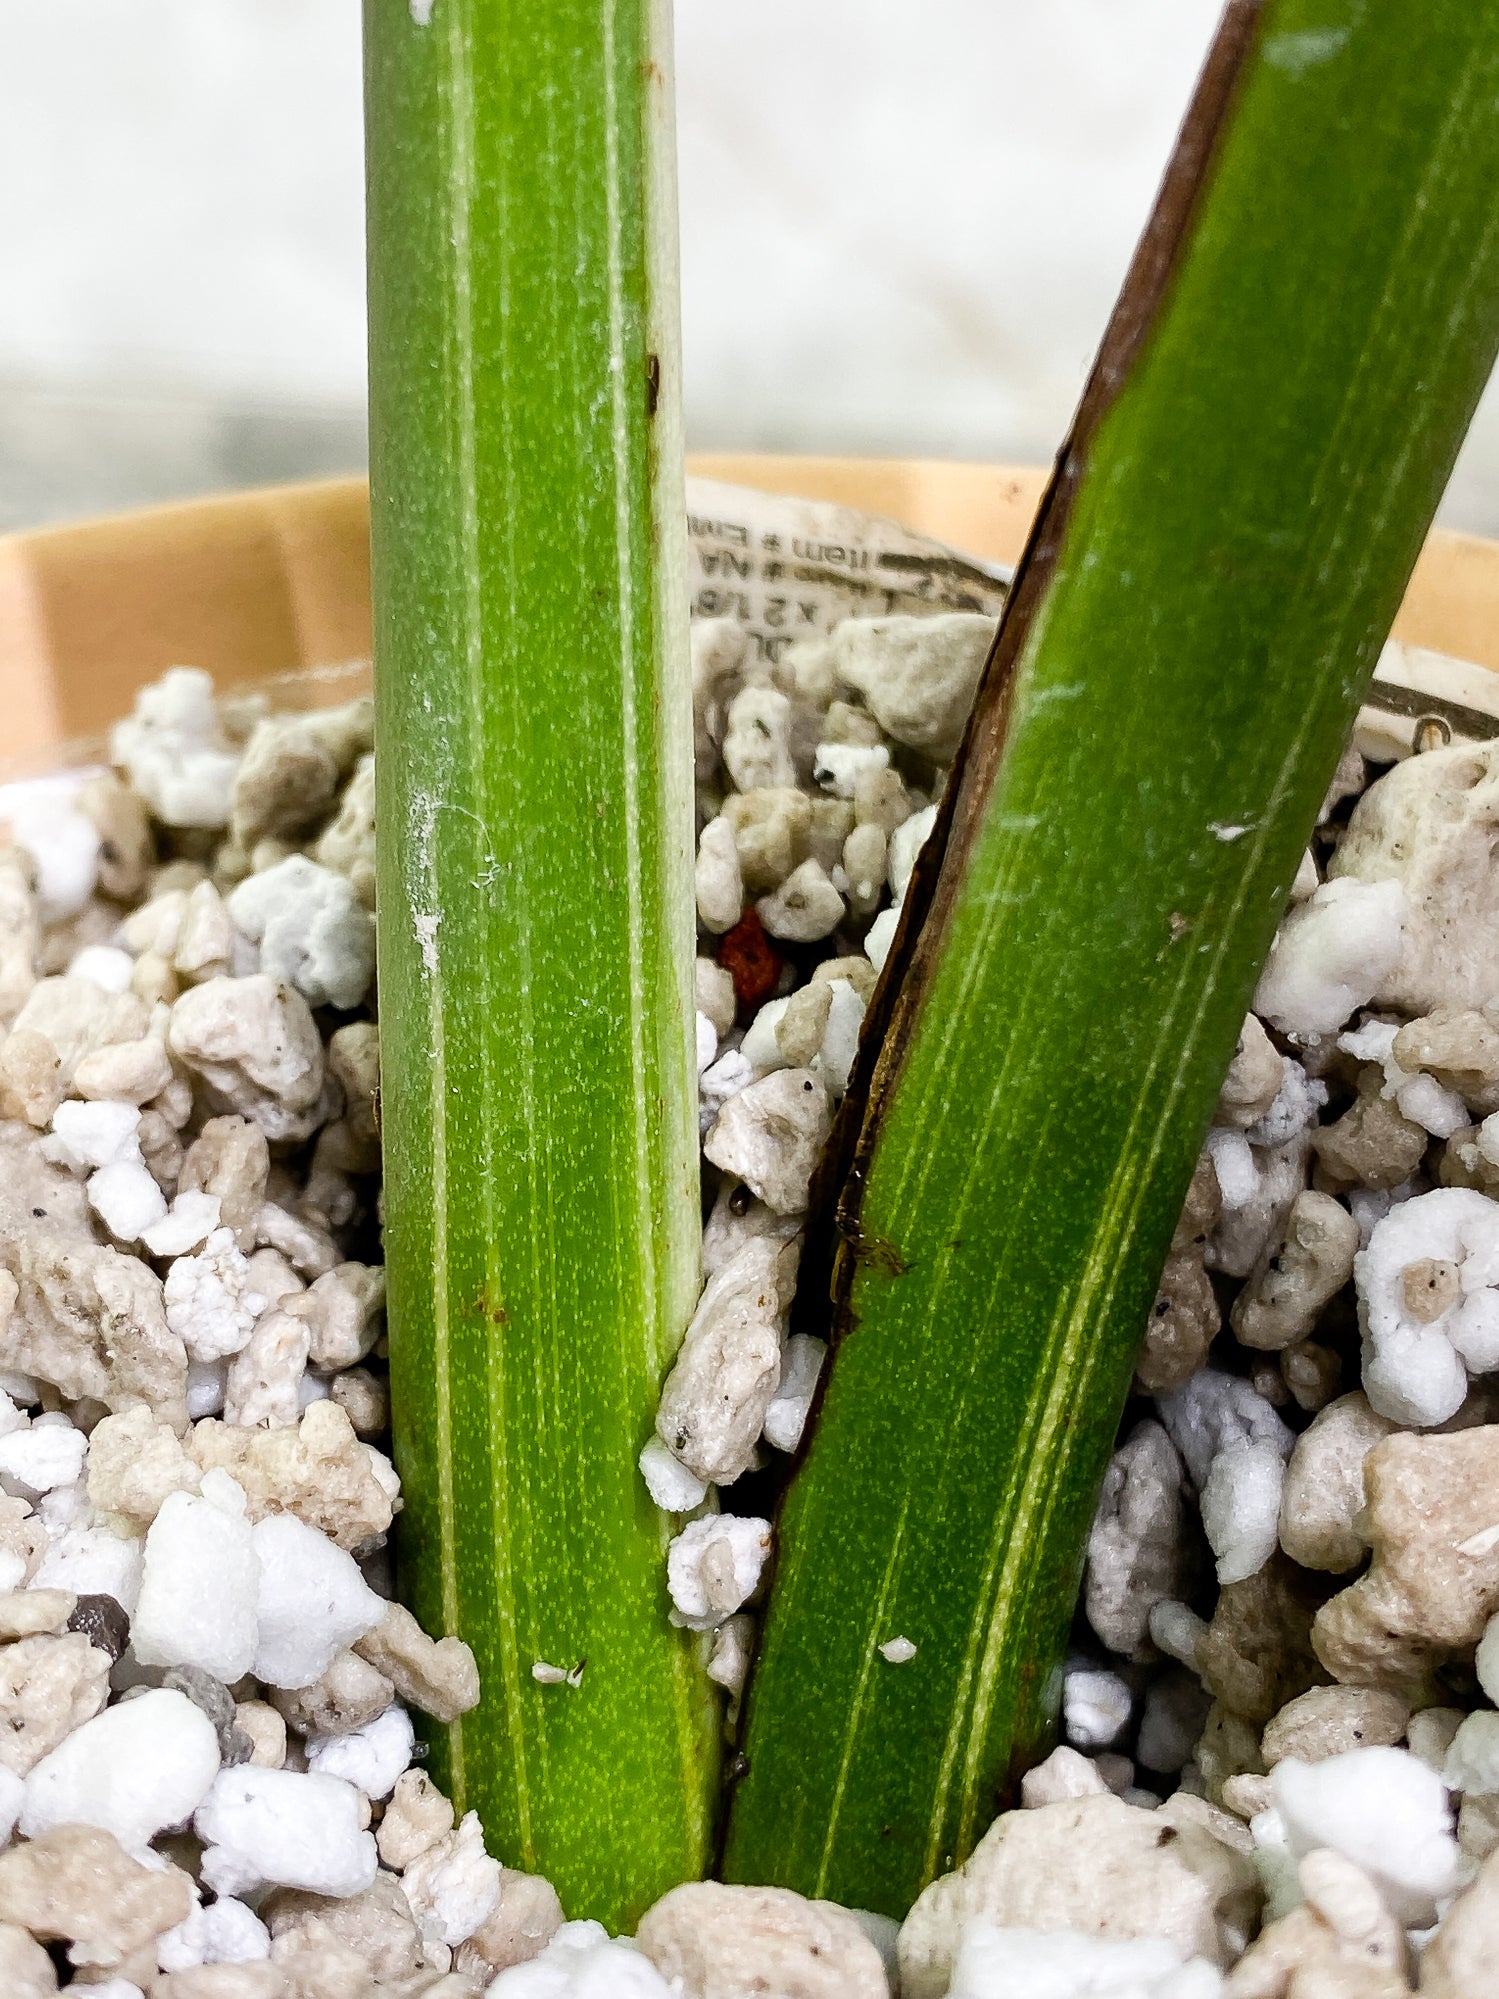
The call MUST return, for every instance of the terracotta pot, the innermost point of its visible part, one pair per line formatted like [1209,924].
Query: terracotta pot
[255,586]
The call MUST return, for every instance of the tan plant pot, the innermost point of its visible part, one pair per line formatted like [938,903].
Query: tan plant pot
[257,585]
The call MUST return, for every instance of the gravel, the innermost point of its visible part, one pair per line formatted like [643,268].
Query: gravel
[1276,1636]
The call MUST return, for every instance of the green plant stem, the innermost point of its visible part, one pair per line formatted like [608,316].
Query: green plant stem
[1310,319]
[534,799]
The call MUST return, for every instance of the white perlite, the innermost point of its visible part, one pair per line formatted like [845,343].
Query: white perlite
[200,1584]
[133,1770]
[1428,1291]
[283,1828]
[582,1962]
[312,1602]
[1383,1809]
[997,1963]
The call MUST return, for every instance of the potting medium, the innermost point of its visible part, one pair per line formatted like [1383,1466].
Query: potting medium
[1280,1749]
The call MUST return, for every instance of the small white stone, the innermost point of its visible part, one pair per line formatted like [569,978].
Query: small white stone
[728,1662]
[906,842]
[107,966]
[91,1561]
[1487,1660]
[192,1219]
[208,1299]
[313,932]
[1384,1810]
[880,936]
[707,1042]
[41,1458]
[1212,1411]
[134,1769]
[840,1038]
[222,1932]
[198,1594]
[454,1886]
[1472,1762]
[63,843]
[899,1651]
[839,766]
[89,1135]
[126,1199]
[289,1828]
[998,1963]
[312,1602]
[802,1360]
[582,1962]
[1241,1507]
[370,1758]
[714,1566]
[760,1046]
[671,1485]
[1096,1707]
[1331,954]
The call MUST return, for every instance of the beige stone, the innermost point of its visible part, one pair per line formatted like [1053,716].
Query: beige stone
[347,843]
[1432,1518]
[266,1730]
[1094,1864]
[772,828]
[1324,1490]
[1184,1319]
[25,1968]
[1256,1654]
[257,1980]
[1228,1747]
[720,1942]
[417,1816]
[1429,823]
[20,933]
[1298,1275]
[1304,1957]
[526,1918]
[230,1158]
[86,1318]
[1372,1144]
[1460,1961]
[437,1675]
[31,1079]
[377,1926]
[349,1695]
[771,1136]
[33,1613]
[318,1470]
[48,1687]
[256,1047]
[1326,1721]
[76,1883]
[1253,1080]
[134,1464]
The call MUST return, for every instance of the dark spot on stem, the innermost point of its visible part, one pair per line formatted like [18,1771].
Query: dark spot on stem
[652,383]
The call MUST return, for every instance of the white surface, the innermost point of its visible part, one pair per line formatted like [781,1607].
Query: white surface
[901,232]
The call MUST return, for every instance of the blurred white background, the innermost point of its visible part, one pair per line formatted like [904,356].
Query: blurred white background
[901,231]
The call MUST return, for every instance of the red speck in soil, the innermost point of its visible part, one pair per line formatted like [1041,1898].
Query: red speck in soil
[751,960]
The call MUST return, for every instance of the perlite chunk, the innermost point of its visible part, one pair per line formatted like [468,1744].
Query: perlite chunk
[771,1136]
[919,675]
[1090,1864]
[713,1941]
[1428,1291]
[256,1047]
[1331,955]
[1426,826]
[1135,1546]
[714,1404]
[1432,1519]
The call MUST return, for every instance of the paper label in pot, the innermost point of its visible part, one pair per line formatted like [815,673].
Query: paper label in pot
[790,569]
